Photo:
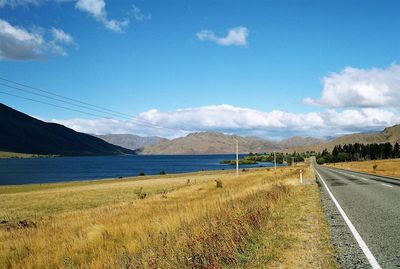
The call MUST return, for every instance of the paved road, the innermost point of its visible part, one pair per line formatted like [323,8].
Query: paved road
[373,207]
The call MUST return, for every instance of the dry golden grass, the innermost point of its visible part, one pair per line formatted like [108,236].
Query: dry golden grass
[389,167]
[183,221]
[5,154]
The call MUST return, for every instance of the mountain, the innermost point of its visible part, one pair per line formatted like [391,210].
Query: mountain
[214,143]
[299,143]
[390,134]
[24,134]
[130,141]
[210,143]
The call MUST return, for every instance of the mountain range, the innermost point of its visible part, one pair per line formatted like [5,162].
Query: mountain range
[213,143]
[24,134]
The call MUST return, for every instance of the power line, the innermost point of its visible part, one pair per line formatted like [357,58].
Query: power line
[55,99]
[85,105]
[42,102]
[61,96]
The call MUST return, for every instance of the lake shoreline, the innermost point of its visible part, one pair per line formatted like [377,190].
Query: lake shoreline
[69,169]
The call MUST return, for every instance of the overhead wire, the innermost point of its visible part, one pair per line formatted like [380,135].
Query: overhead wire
[77,103]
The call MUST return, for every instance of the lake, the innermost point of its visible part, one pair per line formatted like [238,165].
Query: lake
[45,170]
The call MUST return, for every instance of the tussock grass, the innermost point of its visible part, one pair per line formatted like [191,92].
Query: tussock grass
[184,221]
[5,154]
[390,167]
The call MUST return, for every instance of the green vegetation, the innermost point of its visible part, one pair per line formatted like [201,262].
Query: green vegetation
[281,158]
[241,161]
[167,221]
[359,152]
[4,154]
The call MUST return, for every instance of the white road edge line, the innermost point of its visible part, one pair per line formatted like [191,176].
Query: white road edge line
[360,241]
[387,185]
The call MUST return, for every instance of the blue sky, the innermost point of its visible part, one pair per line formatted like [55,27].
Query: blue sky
[268,68]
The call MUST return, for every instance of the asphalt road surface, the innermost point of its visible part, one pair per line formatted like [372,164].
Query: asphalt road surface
[372,205]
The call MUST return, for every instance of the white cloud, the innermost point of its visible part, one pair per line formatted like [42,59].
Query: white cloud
[138,15]
[354,87]
[18,43]
[97,8]
[236,36]
[243,121]
[94,7]
[61,36]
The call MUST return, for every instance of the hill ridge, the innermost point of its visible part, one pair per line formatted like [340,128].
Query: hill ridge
[24,134]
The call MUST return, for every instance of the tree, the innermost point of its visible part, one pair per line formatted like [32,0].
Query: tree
[387,150]
[335,153]
[396,150]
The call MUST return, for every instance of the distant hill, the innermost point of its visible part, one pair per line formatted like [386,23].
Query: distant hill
[214,143]
[210,143]
[24,134]
[390,134]
[300,144]
[130,141]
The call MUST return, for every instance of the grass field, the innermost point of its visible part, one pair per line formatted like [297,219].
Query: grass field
[261,219]
[389,167]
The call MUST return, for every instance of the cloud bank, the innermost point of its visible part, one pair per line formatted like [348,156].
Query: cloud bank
[17,43]
[230,119]
[354,87]
[236,36]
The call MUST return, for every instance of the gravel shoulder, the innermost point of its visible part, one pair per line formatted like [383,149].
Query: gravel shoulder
[348,252]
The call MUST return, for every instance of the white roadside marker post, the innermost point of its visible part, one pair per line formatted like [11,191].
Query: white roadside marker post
[301,176]
[275,159]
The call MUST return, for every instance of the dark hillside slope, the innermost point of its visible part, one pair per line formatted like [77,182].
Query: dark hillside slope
[22,133]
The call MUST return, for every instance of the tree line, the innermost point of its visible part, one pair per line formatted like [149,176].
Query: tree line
[281,157]
[359,152]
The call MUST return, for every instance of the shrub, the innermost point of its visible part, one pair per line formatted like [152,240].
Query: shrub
[162,172]
[188,181]
[163,193]
[140,193]
[141,174]
[218,183]
[375,166]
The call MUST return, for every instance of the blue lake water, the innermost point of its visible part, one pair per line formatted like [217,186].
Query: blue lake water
[44,170]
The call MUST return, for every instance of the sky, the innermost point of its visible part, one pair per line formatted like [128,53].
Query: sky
[272,69]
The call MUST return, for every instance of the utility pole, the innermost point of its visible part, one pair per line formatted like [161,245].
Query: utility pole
[275,159]
[237,157]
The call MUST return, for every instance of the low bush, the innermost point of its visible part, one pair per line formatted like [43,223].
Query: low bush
[375,166]
[218,183]
[140,193]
